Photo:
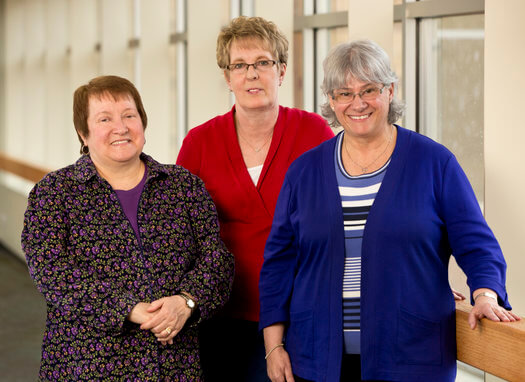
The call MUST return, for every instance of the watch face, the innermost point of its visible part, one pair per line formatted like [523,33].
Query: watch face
[190,303]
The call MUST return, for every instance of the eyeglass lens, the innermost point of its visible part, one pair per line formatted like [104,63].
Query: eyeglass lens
[367,94]
[259,65]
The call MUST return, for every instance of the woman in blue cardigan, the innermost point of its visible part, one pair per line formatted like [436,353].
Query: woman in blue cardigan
[354,284]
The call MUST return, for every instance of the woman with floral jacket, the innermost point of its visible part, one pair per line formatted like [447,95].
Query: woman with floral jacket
[126,251]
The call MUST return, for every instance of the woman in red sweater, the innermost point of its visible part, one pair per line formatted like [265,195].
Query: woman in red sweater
[242,157]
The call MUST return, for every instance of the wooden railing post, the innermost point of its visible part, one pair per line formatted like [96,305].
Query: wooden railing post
[497,348]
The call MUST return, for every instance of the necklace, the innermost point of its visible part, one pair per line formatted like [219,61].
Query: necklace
[251,146]
[365,168]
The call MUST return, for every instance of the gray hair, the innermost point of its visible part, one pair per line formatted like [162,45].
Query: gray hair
[365,61]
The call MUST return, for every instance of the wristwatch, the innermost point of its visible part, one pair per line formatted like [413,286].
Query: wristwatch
[190,303]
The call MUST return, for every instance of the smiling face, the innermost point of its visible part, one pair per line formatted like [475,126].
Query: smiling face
[360,118]
[254,89]
[116,133]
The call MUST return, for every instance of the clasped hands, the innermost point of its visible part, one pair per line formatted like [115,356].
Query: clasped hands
[164,317]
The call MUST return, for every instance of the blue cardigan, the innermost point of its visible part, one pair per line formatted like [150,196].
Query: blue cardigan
[424,211]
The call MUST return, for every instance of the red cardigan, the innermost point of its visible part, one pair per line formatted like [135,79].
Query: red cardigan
[211,151]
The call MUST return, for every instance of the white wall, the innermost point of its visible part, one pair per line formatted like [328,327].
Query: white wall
[12,210]
[155,79]
[58,99]
[284,20]
[504,153]
[208,94]
[114,27]
[378,28]
[505,135]
[54,46]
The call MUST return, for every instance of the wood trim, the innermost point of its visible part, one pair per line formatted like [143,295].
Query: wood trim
[298,79]
[443,8]
[320,20]
[495,347]
[22,169]
[133,43]
[178,37]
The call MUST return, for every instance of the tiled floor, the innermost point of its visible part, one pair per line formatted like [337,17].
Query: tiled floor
[22,321]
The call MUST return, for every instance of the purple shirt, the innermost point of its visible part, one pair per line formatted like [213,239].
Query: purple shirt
[129,199]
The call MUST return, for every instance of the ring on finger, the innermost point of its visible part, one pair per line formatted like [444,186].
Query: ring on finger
[168,330]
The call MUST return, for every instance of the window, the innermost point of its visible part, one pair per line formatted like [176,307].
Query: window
[435,44]
[319,25]
[451,89]
[178,58]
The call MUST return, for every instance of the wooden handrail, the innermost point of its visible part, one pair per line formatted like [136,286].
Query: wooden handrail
[21,168]
[495,347]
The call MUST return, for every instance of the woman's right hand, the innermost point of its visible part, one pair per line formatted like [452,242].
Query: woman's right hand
[279,367]
[139,314]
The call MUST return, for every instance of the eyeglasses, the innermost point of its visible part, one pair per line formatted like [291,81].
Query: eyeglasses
[261,66]
[368,94]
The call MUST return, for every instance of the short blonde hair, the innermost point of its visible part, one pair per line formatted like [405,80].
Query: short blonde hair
[251,28]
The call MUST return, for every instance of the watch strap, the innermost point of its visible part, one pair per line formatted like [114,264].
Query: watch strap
[487,294]
[189,301]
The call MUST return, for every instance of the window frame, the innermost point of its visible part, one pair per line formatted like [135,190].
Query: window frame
[308,23]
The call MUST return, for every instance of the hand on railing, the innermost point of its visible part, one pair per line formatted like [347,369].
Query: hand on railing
[486,305]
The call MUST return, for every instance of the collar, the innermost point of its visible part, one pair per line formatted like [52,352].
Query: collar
[84,169]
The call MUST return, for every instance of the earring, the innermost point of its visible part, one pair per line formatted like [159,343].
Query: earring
[84,149]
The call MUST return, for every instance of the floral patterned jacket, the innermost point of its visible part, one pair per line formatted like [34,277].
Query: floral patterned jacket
[85,259]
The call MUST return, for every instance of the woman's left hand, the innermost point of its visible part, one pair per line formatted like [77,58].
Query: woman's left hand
[488,307]
[170,315]
[458,296]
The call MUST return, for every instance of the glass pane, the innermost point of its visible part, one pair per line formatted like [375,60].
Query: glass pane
[451,89]
[298,7]
[326,39]
[326,6]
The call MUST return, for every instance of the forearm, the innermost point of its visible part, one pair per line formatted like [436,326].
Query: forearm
[273,336]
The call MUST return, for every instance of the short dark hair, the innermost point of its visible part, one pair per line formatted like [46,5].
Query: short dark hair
[113,86]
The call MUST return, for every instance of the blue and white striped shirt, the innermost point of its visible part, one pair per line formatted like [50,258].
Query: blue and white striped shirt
[357,196]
